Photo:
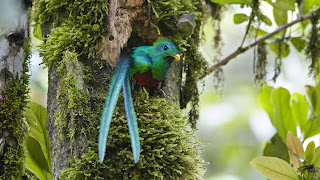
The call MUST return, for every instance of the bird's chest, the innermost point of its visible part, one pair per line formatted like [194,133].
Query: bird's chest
[146,80]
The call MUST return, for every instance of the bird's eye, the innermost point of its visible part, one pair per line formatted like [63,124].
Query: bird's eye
[165,48]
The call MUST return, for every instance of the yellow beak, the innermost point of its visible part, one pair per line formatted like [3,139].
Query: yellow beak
[177,57]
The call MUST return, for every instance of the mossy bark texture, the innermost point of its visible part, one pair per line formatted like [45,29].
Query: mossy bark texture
[14,55]
[83,41]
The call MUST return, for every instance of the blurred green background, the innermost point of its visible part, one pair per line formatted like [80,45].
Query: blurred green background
[232,124]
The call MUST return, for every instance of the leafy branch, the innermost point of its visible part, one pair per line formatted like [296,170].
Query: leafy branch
[242,49]
[305,163]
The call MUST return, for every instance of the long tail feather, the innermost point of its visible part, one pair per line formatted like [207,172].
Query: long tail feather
[131,118]
[111,101]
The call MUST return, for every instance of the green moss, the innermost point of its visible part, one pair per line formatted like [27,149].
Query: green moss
[74,116]
[166,17]
[86,167]
[70,95]
[13,101]
[13,163]
[78,27]
[83,11]
[170,149]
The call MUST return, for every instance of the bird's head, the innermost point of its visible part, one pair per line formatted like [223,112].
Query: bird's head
[164,48]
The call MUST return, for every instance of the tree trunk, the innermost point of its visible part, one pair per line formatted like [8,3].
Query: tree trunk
[85,35]
[14,55]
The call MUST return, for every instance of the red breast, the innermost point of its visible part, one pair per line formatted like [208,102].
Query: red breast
[146,80]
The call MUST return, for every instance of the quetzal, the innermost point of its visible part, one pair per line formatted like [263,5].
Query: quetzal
[149,66]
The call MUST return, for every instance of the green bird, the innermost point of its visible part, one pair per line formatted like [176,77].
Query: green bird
[149,66]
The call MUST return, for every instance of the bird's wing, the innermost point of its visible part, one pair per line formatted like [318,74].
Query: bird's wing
[131,118]
[141,61]
[117,81]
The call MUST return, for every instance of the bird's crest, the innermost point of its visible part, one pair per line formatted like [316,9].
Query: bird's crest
[163,40]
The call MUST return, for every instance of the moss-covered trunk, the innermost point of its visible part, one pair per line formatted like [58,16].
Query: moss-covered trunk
[14,55]
[79,51]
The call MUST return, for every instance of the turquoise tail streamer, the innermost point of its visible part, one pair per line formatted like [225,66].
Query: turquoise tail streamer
[115,87]
[131,118]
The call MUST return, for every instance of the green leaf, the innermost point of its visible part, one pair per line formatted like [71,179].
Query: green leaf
[264,19]
[298,43]
[37,31]
[274,168]
[299,108]
[232,1]
[282,119]
[312,127]
[265,99]
[315,99]
[267,21]
[309,90]
[280,48]
[258,32]
[280,16]
[285,5]
[240,18]
[276,148]
[35,160]
[270,2]
[295,147]
[310,151]
[316,157]
[36,118]
[310,5]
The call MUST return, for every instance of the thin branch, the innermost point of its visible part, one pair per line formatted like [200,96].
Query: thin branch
[252,15]
[283,38]
[241,50]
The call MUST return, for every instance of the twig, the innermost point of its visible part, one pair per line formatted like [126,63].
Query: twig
[252,15]
[283,38]
[240,50]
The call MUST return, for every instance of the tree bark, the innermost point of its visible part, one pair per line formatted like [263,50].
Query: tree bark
[59,152]
[14,54]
